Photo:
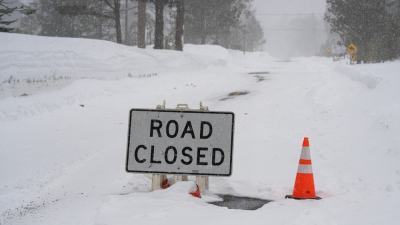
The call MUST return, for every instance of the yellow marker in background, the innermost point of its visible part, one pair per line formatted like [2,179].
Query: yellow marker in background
[351,49]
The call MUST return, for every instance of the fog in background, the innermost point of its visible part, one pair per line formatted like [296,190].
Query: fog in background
[292,35]
[292,28]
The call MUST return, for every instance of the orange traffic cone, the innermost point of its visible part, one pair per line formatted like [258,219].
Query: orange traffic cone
[196,193]
[304,184]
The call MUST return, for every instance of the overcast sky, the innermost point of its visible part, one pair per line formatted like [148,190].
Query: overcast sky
[289,6]
[286,7]
[270,22]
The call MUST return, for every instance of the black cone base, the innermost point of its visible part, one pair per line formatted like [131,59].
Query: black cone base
[289,196]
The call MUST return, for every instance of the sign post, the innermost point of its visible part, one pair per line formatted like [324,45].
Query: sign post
[352,49]
[338,51]
[353,57]
[181,142]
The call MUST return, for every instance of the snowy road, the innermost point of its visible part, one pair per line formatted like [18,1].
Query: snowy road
[63,151]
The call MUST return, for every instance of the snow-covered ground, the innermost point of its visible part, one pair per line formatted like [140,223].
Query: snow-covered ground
[63,136]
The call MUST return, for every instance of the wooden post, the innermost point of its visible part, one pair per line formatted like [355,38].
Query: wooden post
[157,180]
[202,182]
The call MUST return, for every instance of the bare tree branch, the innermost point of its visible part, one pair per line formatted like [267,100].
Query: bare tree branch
[109,4]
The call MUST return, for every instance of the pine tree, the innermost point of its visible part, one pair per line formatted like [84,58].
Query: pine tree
[115,6]
[50,19]
[141,34]
[254,34]
[180,15]
[159,22]
[394,30]
[105,9]
[211,21]
[159,29]
[365,23]
[7,8]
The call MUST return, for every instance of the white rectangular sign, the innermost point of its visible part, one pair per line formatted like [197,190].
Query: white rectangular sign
[180,142]
[337,49]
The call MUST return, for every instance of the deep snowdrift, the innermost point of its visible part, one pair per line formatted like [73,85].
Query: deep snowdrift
[62,147]
[57,61]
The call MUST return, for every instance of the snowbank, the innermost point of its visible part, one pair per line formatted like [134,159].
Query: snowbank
[29,64]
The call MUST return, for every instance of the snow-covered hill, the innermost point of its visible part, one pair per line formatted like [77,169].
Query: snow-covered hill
[63,136]
[60,60]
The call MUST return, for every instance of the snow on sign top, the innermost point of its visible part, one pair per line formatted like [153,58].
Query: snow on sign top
[180,142]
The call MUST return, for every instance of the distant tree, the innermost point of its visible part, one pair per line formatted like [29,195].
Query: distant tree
[141,34]
[211,21]
[159,29]
[159,22]
[255,34]
[29,24]
[112,12]
[368,24]
[143,26]
[115,6]
[180,16]
[250,32]
[48,21]
[248,35]
[394,30]
[150,26]
[7,8]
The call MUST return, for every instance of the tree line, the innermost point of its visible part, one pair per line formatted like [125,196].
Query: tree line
[372,25]
[162,23]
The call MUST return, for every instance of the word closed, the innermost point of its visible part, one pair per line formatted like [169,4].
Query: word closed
[180,142]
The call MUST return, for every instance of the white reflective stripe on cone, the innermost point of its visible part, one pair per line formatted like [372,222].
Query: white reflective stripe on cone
[304,168]
[305,153]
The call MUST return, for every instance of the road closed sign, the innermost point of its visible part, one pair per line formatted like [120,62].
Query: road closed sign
[180,142]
